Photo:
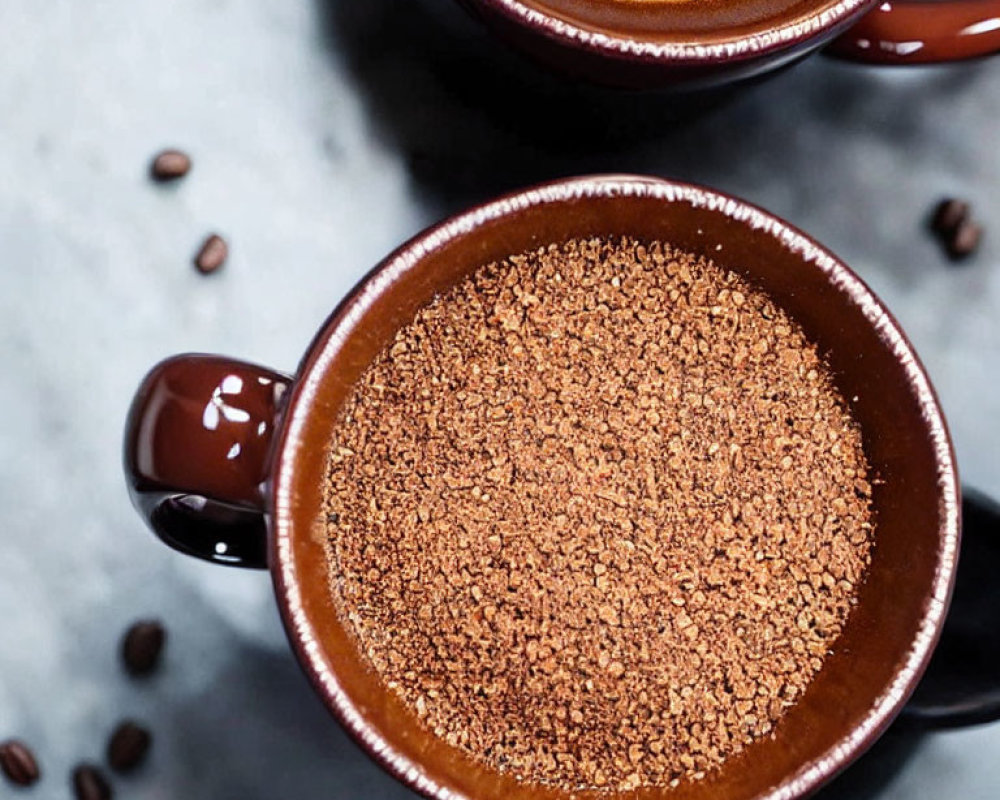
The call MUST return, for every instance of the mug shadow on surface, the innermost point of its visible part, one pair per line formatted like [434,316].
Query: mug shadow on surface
[472,118]
[869,776]
[271,737]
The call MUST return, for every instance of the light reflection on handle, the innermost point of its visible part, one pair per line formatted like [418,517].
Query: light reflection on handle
[914,32]
[197,448]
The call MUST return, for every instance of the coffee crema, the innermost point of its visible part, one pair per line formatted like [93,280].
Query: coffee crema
[598,515]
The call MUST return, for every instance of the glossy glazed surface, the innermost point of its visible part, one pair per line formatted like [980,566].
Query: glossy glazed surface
[197,443]
[698,45]
[923,32]
[686,46]
[888,640]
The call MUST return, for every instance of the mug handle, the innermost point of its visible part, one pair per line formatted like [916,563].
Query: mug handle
[962,685]
[197,452]
[915,32]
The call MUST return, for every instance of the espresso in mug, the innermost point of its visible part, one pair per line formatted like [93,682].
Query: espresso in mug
[598,514]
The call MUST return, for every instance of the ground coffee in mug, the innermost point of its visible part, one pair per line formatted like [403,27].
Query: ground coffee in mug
[598,514]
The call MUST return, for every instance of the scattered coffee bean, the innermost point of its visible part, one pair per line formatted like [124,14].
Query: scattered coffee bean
[90,784]
[949,215]
[965,239]
[128,746]
[213,254]
[169,165]
[18,763]
[954,226]
[142,645]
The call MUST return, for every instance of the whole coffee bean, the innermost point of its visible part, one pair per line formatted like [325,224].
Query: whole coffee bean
[18,763]
[965,240]
[169,165]
[128,746]
[212,255]
[142,646]
[950,213]
[90,784]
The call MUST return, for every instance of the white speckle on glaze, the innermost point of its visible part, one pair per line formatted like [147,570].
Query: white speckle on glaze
[773,38]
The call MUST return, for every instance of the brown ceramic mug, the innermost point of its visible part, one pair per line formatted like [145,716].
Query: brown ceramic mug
[702,43]
[227,461]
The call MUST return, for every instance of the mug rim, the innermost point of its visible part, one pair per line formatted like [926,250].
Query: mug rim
[339,326]
[765,40]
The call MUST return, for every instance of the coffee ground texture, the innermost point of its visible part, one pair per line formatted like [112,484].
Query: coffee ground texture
[598,515]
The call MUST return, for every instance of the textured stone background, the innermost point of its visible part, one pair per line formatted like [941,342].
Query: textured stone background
[325,132]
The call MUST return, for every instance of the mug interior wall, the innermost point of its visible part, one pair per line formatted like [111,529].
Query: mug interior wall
[881,631]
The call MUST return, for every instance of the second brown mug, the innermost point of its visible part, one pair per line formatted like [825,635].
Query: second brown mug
[690,44]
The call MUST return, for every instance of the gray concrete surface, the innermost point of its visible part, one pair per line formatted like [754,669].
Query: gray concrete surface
[325,133]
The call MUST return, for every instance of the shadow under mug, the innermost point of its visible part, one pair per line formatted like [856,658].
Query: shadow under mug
[227,461]
[697,45]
